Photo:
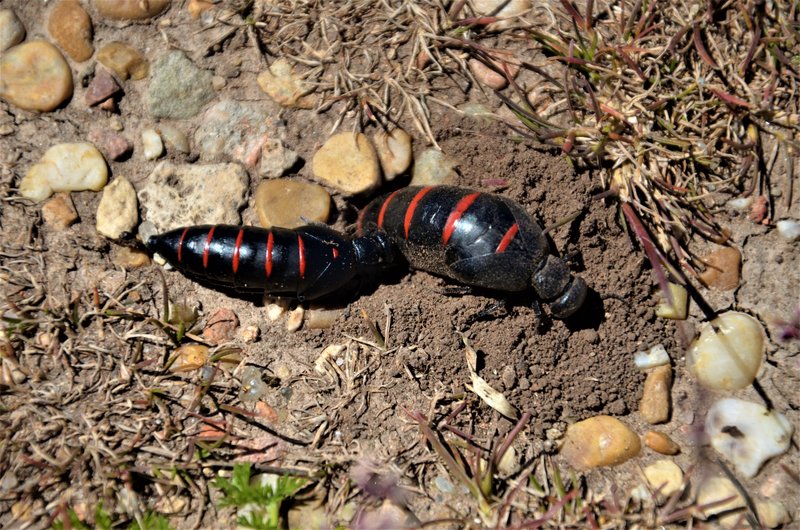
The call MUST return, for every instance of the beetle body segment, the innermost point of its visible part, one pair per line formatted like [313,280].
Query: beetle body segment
[303,263]
[478,239]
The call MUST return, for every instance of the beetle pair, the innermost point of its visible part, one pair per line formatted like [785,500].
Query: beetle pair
[479,239]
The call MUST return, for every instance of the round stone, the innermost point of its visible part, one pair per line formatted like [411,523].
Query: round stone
[11,29]
[599,441]
[728,357]
[124,60]
[723,268]
[130,9]
[71,27]
[35,76]
[65,167]
[291,203]
[118,211]
[348,162]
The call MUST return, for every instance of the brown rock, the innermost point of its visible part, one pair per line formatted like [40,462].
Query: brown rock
[35,76]
[198,7]
[495,77]
[221,325]
[130,9]
[114,146]
[59,212]
[724,267]
[102,87]
[599,441]
[655,404]
[661,443]
[71,27]
[291,203]
[189,357]
[124,60]
[129,258]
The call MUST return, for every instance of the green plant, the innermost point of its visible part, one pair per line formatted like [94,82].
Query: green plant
[263,501]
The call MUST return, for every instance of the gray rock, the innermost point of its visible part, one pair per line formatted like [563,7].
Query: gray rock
[11,29]
[247,133]
[433,168]
[187,194]
[178,88]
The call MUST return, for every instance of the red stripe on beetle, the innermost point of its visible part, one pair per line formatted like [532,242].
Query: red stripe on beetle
[236,250]
[507,238]
[301,256]
[455,215]
[268,263]
[335,252]
[208,246]
[413,206]
[384,206]
[180,244]
[360,222]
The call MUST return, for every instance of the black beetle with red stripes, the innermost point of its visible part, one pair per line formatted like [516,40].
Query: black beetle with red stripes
[478,239]
[303,263]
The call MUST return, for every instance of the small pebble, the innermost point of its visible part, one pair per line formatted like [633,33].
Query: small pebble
[71,27]
[174,137]
[275,159]
[655,405]
[322,318]
[198,7]
[506,10]
[59,212]
[192,194]
[65,167]
[715,489]
[253,387]
[789,229]
[433,168]
[347,162]
[220,326]
[250,334]
[741,204]
[123,60]
[189,357]
[656,356]
[114,146]
[442,484]
[266,412]
[284,87]
[772,513]
[35,76]
[747,434]
[599,441]
[218,83]
[102,87]
[295,319]
[152,146]
[730,359]
[118,211]
[12,32]
[491,78]
[178,88]
[129,258]
[130,9]
[291,203]
[679,308]
[661,443]
[394,152]
[665,477]
[723,269]
[276,309]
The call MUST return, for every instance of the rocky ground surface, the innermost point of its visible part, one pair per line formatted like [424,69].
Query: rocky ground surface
[124,119]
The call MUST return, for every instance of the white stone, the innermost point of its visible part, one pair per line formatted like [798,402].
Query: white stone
[510,10]
[394,152]
[152,146]
[730,359]
[118,211]
[11,29]
[192,194]
[747,434]
[772,513]
[713,490]
[174,137]
[789,229]
[664,476]
[65,167]
[432,168]
[656,356]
